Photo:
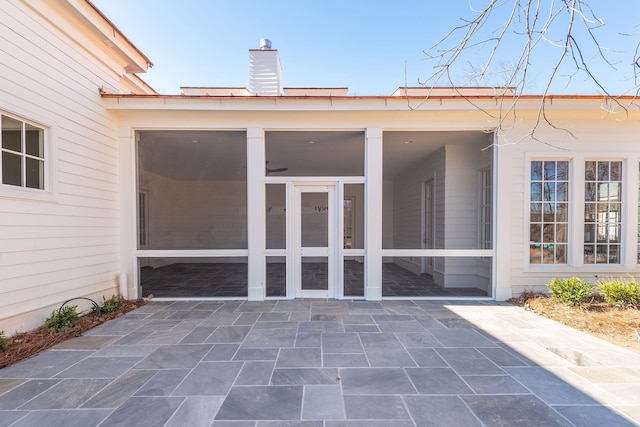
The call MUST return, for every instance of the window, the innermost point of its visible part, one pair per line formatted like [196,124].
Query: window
[602,212]
[549,212]
[22,153]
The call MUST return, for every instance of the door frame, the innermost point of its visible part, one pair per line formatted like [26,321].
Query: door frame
[331,251]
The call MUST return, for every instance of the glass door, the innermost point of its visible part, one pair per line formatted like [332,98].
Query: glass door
[314,238]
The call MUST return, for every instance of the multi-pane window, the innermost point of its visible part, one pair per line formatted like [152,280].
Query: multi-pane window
[602,212]
[549,212]
[22,147]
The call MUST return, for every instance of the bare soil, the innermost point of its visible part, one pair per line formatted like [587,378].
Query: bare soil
[27,344]
[619,326]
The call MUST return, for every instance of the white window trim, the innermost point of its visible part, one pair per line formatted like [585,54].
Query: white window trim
[46,194]
[630,208]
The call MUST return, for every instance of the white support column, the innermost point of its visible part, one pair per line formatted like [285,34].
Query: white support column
[128,212]
[502,183]
[256,213]
[373,215]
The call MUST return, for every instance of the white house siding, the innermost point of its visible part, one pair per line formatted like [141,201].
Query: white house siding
[596,137]
[63,242]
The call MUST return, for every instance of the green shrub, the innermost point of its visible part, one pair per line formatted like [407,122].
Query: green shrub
[620,293]
[112,304]
[3,341]
[572,291]
[63,319]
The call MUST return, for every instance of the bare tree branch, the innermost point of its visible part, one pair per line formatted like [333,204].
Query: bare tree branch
[563,28]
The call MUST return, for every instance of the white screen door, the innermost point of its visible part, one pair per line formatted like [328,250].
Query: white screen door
[314,238]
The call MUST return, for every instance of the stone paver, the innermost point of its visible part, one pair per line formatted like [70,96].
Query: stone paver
[318,363]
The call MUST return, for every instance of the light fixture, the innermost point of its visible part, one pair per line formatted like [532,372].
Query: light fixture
[407,142]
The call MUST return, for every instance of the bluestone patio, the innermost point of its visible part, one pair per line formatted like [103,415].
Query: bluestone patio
[326,363]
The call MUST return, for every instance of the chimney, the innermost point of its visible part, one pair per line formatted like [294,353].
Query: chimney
[264,70]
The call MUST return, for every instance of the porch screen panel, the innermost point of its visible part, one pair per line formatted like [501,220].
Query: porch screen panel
[315,220]
[193,277]
[276,218]
[196,183]
[276,284]
[450,277]
[354,276]
[311,153]
[432,197]
[353,217]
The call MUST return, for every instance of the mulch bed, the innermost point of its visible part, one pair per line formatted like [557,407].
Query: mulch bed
[27,344]
[620,326]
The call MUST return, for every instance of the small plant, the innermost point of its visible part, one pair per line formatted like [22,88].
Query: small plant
[620,293]
[62,319]
[3,341]
[112,304]
[572,291]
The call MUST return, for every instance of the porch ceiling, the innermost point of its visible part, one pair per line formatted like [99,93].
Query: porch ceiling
[402,149]
[202,159]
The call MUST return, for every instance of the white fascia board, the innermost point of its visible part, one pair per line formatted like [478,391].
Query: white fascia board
[483,109]
[137,61]
[81,22]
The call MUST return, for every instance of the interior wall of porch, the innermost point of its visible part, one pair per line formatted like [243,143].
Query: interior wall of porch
[454,170]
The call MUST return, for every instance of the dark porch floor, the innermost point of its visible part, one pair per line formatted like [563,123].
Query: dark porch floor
[220,280]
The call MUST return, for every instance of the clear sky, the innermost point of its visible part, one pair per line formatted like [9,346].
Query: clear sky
[368,46]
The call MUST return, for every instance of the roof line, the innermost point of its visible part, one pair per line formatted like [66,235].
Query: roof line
[347,97]
[120,33]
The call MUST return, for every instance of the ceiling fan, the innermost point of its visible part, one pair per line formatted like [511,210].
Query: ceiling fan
[273,170]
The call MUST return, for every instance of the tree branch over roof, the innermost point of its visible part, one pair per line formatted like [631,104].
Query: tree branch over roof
[563,31]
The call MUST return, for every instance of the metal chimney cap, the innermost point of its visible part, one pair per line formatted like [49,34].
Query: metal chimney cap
[265,44]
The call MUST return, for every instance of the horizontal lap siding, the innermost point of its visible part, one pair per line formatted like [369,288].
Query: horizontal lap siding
[607,138]
[63,244]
